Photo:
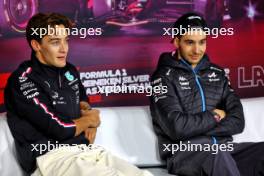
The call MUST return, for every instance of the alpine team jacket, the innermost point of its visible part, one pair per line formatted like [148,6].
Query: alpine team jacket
[41,103]
[184,111]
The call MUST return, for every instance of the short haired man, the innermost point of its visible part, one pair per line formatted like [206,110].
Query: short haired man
[199,107]
[47,106]
[44,97]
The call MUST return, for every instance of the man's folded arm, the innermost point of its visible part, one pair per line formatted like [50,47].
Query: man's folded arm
[168,113]
[32,104]
[234,122]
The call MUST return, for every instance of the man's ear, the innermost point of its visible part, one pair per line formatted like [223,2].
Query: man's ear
[176,42]
[35,45]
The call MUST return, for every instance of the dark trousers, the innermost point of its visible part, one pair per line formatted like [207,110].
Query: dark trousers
[247,159]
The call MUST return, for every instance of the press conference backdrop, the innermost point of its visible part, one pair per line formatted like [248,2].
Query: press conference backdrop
[119,42]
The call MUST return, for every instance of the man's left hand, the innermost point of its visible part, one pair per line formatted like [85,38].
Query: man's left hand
[90,134]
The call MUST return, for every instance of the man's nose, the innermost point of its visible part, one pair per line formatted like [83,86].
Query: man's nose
[63,47]
[196,49]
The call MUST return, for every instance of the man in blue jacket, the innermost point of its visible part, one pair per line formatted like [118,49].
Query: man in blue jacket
[198,114]
[45,100]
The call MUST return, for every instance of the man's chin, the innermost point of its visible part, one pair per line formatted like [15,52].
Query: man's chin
[194,60]
[60,65]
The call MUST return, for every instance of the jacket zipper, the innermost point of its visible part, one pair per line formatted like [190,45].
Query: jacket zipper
[200,90]
[69,97]
[198,84]
[72,106]
[59,80]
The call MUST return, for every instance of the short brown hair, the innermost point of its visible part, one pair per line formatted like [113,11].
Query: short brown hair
[41,20]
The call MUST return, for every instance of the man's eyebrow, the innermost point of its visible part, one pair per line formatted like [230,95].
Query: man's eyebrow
[57,38]
[203,40]
[52,39]
[188,40]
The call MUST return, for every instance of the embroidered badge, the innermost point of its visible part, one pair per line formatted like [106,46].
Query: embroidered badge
[69,76]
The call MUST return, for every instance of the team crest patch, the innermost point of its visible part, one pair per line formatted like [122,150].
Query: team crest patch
[69,76]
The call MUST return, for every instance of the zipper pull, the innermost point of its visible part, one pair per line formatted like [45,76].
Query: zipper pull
[59,80]
[197,76]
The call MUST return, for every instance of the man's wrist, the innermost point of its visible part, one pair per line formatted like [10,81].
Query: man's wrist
[85,106]
[217,117]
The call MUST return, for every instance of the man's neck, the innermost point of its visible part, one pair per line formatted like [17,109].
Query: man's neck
[40,58]
[180,57]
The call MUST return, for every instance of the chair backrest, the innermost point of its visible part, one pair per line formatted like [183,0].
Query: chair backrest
[254,121]
[8,161]
[128,131]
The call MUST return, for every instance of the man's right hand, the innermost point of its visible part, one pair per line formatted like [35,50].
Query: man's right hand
[88,119]
[92,117]
[220,112]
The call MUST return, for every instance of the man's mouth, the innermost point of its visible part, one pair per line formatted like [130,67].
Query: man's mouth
[61,57]
[195,57]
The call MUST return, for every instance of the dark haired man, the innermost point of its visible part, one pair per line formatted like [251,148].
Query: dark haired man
[199,109]
[45,99]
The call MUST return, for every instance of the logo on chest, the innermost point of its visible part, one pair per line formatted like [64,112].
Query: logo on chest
[54,95]
[57,99]
[75,87]
[69,76]
[212,77]
[184,83]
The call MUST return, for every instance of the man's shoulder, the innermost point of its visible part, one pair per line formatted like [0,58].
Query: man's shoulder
[216,68]
[162,72]
[22,70]
[19,79]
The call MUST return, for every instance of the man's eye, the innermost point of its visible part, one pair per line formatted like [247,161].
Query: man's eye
[189,42]
[202,42]
[55,43]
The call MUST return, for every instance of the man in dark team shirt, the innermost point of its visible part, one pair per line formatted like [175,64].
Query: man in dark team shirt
[199,111]
[45,100]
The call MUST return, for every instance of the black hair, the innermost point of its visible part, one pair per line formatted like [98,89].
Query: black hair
[41,20]
[189,20]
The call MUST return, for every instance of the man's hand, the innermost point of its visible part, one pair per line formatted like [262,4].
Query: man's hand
[86,110]
[92,116]
[220,112]
[90,134]
[84,105]
[88,119]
